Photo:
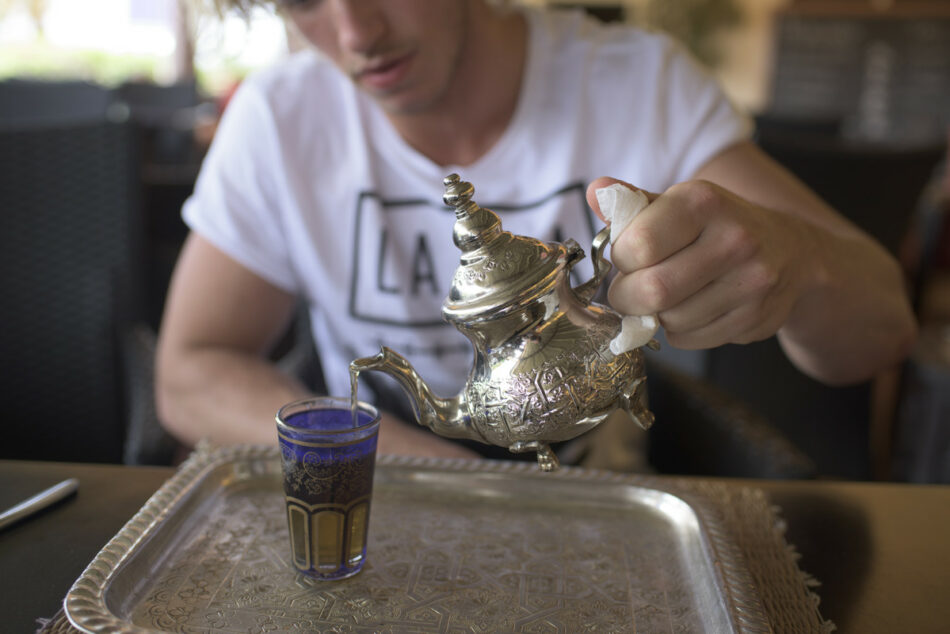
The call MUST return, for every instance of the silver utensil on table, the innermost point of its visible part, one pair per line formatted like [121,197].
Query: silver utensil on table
[38,502]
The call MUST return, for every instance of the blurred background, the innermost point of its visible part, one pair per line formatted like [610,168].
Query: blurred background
[107,107]
[113,41]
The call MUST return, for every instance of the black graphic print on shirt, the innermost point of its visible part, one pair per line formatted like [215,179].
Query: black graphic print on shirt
[404,257]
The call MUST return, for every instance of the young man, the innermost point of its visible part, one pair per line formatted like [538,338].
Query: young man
[324,182]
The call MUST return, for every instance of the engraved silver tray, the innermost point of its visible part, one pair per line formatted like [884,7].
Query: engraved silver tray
[454,546]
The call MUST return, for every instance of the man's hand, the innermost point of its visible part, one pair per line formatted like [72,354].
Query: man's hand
[747,251]
[715,268]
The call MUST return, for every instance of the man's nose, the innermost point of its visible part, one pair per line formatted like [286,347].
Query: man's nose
[360,24]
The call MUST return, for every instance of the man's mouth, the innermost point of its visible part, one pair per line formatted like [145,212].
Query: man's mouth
[385,74]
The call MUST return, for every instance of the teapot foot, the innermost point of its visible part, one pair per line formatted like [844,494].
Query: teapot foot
[547,460]
[634,405]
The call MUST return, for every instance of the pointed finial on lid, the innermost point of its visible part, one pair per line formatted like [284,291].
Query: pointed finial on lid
[458,194]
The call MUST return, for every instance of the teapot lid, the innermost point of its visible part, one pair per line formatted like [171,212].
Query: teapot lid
[498,271]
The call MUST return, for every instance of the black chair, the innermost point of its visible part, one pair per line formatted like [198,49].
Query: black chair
[875,186]
[922,437]
[703,430]
[165,115]
[34,102]
[70,246]
[831,425]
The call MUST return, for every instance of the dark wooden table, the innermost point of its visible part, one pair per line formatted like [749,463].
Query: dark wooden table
[881,551]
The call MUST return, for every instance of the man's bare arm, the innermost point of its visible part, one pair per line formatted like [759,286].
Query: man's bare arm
[213,377]
[855,317]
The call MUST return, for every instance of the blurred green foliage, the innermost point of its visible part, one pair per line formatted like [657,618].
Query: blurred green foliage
[41,61]
[696,23]
[38,59]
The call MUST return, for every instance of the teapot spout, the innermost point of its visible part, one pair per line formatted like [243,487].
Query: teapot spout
[445,416]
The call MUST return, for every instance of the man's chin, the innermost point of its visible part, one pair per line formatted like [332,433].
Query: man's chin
[401,105]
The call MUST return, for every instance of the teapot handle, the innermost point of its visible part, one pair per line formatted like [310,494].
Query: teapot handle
[602,266]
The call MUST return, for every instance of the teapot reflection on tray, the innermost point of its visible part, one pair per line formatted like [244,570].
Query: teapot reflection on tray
[543,370]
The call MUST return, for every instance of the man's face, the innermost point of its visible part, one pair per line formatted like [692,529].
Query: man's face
[403,53]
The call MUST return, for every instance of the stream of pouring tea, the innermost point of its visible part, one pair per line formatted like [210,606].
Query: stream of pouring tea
[354,388]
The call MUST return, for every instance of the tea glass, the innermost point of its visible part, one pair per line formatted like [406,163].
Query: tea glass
[328,456]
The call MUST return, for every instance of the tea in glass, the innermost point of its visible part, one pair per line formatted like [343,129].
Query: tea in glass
[328,456]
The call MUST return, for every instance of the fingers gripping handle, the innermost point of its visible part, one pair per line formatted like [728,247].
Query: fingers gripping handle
[619,205]
[601,265]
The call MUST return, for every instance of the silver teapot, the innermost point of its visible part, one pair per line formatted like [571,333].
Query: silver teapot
[543,370]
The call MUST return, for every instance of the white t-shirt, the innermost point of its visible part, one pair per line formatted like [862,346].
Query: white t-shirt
[308,185]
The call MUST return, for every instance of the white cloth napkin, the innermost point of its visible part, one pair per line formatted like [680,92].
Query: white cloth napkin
[619,205]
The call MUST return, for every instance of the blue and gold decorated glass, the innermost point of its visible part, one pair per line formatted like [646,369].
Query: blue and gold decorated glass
[328,457]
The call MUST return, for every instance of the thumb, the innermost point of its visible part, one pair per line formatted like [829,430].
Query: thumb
[606,181]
